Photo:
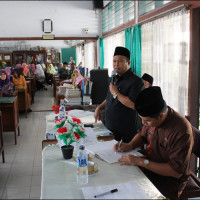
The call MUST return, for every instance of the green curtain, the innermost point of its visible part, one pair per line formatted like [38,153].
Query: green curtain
[136,50]
[101,53]
[128,34]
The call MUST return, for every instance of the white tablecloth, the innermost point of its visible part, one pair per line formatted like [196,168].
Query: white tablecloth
[59,176]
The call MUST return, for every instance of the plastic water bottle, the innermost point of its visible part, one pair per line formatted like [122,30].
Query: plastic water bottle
[62,111]
[82,170]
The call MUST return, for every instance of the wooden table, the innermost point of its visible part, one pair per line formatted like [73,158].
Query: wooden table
[59,177]
[31,88]
[1,139]
[22,99]
[10,115]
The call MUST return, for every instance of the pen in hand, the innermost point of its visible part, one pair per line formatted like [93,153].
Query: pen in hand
[111,191]
[119,144]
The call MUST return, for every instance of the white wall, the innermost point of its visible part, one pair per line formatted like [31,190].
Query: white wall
[24,18]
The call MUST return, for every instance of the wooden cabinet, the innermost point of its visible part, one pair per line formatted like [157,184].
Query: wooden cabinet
[29,56]
[54,57]
[6,57]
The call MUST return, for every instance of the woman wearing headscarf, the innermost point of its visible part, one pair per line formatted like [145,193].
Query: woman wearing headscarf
[79,77]
[19,81]
[51,69]
[8,72]
[5,84]
[40,77]
[18,65]
[33,67]
[49,75]
[26,71]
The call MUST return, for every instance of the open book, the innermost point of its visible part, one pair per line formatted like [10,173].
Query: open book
[104,151]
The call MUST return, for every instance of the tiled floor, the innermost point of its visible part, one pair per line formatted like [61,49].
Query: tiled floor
[20,175]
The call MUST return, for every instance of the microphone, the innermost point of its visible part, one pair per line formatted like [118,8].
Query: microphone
[113,76]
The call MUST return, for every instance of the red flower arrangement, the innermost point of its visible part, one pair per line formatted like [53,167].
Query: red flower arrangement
[55,109]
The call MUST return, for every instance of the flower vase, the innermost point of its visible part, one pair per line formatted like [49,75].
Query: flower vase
[67,151]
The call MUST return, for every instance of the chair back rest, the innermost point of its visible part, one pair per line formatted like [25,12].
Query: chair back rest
[196,147]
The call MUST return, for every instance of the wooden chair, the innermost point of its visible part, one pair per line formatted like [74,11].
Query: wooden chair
[1,138]
[192,188]
[22,99]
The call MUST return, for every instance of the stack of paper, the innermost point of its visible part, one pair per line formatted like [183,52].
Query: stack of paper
[104,151]
[62,90]
[73,96]
[70,93]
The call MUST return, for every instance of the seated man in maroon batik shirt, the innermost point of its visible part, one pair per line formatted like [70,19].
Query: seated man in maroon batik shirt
[169,140]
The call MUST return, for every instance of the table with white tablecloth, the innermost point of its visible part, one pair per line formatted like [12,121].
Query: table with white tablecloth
[59,176]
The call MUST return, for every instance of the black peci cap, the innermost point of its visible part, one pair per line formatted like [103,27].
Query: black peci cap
[149,101]
[148,78]
[122,51]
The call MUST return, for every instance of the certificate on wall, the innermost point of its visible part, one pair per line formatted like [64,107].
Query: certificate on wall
[6,57]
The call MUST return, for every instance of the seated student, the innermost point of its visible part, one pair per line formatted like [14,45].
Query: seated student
[40,77]
[19,81]
[8,72]
[18,65]
[26,71]
[49,74]
[6,86]
[148,80]
[31,68]
[78,79]
[65,72]
[169,139]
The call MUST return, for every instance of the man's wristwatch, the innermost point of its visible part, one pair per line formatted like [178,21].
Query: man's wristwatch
[115,95]
[146,163]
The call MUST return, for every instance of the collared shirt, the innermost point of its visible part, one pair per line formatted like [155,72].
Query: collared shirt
[171,143]
[121,120]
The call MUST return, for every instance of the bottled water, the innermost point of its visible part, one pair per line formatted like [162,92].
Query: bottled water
[82,170]
[62,111]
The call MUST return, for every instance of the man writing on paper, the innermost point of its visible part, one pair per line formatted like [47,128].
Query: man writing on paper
[121,117]
[169,140]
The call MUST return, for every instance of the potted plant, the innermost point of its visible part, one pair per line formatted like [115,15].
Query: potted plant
[69,131]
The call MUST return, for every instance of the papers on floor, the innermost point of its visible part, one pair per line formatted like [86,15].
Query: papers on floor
[104,151]
[129,190]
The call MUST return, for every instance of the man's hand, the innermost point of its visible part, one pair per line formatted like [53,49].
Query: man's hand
[122,148]
[129,160]
[97,114]
[113,89]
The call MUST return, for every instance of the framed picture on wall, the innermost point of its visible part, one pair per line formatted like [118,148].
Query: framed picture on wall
[47,26]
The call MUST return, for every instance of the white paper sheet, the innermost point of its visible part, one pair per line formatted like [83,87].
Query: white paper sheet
[104,151]
[129,190]
[79,113]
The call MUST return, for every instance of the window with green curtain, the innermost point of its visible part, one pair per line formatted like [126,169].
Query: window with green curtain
[101,53]
[136,50]
[128,34]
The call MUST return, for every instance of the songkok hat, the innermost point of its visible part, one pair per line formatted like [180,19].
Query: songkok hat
[148,78]
[149,101]
[122,51]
